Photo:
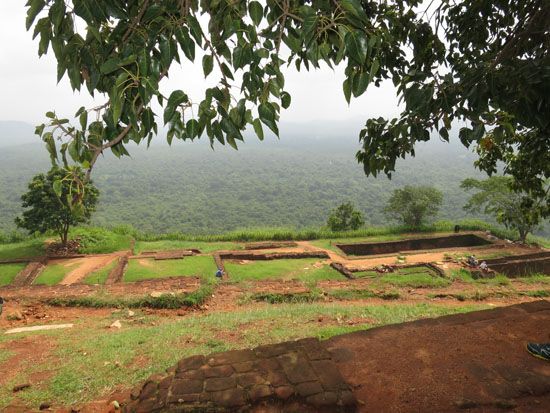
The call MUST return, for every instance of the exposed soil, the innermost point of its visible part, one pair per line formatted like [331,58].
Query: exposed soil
[86,266]
[26,352]
[447,364]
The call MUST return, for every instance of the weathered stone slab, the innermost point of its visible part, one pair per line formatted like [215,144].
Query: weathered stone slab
[281,377]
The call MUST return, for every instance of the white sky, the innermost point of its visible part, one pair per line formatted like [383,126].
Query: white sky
[29,86]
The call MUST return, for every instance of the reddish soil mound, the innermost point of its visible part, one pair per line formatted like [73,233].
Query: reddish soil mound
[474,361]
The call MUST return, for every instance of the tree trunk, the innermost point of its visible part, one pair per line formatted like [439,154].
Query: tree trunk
[65,235]
[523,235]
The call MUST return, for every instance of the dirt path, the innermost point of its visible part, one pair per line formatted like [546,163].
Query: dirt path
[86,266]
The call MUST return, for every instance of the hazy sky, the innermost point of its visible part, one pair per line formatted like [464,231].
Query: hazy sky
[29,86]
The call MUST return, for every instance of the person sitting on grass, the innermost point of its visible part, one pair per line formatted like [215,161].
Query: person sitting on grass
[541,351]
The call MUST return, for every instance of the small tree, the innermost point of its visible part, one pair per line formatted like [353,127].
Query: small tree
[345,218]
[414,205]
[56,201]
[495,197]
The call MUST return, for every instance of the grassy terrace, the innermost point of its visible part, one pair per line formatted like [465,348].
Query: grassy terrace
[52,274]
[91,361]
[100,276]
[164,245]
[308,269]
[142,269]
[8,273]
[24,249]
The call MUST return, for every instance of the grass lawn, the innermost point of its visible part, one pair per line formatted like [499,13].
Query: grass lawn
[8,273]
[32,248]
[205,247]
[142,269]
[283,269]
[52,274]
[414,277]
[91,361]
[535,279]
[100,276]
[330,244]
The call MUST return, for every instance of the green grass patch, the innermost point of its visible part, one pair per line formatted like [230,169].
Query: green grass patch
[92,361]
[283,269]
[538,293]
[166,301]
[101,275]
[466,276]
[24,249]
[166,245]
[414,280]
[201,266]
[52,274]
[95,240]
[357,294]
[535,279]
[8,273]
[291,298]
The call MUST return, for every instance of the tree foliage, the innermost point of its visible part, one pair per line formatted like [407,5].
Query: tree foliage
[414,205]
[495,197]
[345,217]
[481,62]
[56,201]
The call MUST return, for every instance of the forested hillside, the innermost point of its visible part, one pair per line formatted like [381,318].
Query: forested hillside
[292,182]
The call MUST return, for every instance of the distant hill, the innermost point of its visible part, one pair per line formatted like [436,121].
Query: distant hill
[291,182]
[13,133]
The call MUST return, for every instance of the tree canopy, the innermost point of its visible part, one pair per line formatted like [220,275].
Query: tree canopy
[414,205]
[482,63]
[345,217]
[494,196]
[56,201]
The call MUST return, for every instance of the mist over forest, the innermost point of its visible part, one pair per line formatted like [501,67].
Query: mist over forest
[290,182]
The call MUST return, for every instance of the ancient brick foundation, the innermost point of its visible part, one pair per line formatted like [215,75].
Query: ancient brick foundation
[297,376]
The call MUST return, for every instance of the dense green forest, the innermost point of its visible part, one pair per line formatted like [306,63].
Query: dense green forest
[291,182]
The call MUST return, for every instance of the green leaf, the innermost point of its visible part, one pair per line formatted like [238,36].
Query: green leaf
[50,114]
[116,105]
[57,187]
[355,8]
[256,12]
[165,53]
[285,100]
[109,66]
[347,90]
[83,120]
[360,83]
[267,116]
[177,97]
[226,71]
[357,46]
[186,43]
[258,129]
[207,64]
[374,69]
[192,128]
[35,7]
